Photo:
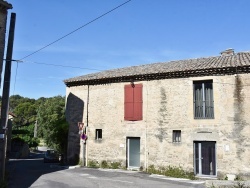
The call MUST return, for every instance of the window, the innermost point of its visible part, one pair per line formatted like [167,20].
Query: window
[133,102]
[176,136]
[98,134]
[203,100]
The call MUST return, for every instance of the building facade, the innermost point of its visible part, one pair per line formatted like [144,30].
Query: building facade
[189,113]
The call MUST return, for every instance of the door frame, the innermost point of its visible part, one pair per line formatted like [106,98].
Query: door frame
[199,142]
[128,154]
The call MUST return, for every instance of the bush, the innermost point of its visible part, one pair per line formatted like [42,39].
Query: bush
[115,165]
[153,170]
[171,171]
[93,164]
[104,164]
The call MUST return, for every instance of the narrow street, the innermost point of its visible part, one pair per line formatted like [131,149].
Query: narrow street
[33,172]
[22,173]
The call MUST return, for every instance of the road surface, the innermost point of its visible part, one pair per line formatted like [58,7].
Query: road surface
[33,172]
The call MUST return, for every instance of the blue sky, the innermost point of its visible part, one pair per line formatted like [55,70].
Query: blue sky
[140,32]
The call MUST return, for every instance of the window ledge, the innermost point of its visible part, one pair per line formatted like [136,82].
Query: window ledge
[176,143]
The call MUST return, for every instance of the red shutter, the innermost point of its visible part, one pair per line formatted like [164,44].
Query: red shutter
[133,102]
[128,102]
[138,102]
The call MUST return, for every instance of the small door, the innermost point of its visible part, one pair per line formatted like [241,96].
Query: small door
[205,158]
[133,152]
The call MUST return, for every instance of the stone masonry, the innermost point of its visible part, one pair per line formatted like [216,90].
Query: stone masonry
[167,106]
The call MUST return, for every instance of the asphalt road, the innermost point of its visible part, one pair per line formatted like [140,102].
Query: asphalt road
[32,172]
[22,173]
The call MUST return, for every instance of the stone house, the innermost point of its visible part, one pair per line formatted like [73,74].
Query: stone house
[190,113]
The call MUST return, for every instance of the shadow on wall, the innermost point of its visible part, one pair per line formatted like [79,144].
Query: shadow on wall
[74,114]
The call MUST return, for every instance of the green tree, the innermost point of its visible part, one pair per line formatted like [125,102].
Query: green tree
[15,100]
[52,125]
[25,110]
[25,114]
[26,134]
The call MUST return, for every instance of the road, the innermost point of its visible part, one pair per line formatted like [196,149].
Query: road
[22,173]
[33,172]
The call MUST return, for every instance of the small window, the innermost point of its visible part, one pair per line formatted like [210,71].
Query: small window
[98,134]
[176,136]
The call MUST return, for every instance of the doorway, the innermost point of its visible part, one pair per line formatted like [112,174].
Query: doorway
[205,158]
[133,152]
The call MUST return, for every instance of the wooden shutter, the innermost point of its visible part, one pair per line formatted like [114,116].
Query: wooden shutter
[128,102]
[133,102]
[138,102]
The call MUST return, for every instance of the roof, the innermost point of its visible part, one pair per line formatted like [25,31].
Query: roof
[235,63]
[10,114]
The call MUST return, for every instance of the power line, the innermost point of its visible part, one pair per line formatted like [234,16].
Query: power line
[97,18]
[14,87]
[19,61]
[56,65]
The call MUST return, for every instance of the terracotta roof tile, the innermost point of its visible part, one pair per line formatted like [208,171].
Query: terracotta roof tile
[198,66]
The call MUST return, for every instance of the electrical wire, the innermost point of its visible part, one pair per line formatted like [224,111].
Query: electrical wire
[14,87]
[57,65]
[55,41]
[97,18]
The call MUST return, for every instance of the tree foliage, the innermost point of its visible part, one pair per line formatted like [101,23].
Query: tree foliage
[47,113]
[26,134]
[52,125]
[25,114]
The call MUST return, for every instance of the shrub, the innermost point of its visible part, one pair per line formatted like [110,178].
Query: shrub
[171,171]
[153,170]
[104,164]
[115,165]
[93,164]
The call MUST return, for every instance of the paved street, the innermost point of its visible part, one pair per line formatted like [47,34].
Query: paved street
[33,172]
[22,173]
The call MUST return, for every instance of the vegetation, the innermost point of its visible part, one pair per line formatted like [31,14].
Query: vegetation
[48,114]
[115,165]
[93,164]
[25,134]
[171,171]
[105,164]
[52,124]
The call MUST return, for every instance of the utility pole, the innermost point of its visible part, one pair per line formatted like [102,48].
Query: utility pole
[35,129]
[5,97]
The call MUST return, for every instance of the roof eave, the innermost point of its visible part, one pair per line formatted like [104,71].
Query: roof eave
[165,75]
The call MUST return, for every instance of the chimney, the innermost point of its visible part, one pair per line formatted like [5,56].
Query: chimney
[227,52]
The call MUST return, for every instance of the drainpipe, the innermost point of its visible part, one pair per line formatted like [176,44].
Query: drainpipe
[86,145]
[146,134]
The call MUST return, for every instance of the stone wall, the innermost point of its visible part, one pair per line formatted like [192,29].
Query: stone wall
[168,106]
[74,114]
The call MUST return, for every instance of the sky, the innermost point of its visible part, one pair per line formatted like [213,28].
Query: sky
[138,32]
